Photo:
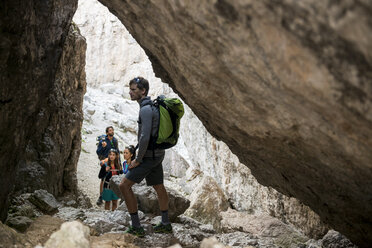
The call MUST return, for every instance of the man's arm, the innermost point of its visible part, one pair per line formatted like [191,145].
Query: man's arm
[144,139]
[100,149]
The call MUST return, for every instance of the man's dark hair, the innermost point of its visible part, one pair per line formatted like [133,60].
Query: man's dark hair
[107,128]
[141,84]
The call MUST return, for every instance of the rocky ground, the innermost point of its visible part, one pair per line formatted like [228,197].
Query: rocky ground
[40,220]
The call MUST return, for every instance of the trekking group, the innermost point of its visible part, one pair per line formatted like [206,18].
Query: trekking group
[158,127]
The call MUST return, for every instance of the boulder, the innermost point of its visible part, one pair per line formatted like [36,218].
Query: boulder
[263,226]
[71,234]
[335,239]
[106,221]
[148,201]
[109,240]
[44,201]
[207,202]
[211,242]
[41,229]
[20,223]
[21,206]
[240,239]
[175,246]
[174,164]
[10,237]
[70,214]
[26,210]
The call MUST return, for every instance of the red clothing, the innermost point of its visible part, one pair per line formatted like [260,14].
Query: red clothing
[114,171]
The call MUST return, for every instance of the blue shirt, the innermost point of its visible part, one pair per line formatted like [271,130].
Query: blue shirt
[103,152]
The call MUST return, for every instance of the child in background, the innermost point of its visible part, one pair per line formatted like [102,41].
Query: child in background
[112,168]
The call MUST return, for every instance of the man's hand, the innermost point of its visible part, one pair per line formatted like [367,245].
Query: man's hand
[104,144]
[133,164]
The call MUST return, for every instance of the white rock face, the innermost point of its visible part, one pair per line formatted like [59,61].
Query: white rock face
[72,234]
[112,53]
[113,58]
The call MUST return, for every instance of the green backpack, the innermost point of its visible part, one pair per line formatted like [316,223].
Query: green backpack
[170,113]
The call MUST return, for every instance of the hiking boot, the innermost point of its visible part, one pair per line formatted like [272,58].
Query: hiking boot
[99,201]
[137,231]
[161,228]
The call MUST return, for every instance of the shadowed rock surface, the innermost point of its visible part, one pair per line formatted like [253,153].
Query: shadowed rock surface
[42,86]
[291,82]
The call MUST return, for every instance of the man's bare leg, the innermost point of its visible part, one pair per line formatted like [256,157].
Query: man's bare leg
[162,196]
[131,202]
[164,226]
[129,197]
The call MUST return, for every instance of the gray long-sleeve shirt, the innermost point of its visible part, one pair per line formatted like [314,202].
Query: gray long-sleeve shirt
[148,123]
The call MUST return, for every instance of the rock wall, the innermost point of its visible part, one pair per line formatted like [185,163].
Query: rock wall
[196,151]
[42,85]
[212,158]
[284,83]
[113,55]
[51,162]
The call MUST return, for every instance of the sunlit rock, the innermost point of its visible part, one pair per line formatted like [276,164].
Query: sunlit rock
[207,202]
[262,226]
[72,234]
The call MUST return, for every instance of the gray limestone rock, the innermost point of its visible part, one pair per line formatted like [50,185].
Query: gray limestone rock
[107,221]
[70,214]
[20,223]
[335,239]
[207,202]
[44,201]
[148,201]
[266,228]
[71,234]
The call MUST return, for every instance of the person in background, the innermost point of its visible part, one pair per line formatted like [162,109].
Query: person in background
[129,155]
[107,143]
[112,167]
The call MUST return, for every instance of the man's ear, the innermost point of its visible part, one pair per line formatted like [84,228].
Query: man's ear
[143,91]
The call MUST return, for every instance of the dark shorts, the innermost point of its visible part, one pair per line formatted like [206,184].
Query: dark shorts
[150,168]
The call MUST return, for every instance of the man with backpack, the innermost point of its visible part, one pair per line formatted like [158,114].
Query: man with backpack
[106,143]
[148,162]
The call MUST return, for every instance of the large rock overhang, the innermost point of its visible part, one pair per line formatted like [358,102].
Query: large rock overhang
[286,84]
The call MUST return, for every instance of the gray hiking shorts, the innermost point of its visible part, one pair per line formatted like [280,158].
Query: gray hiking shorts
[150,168]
